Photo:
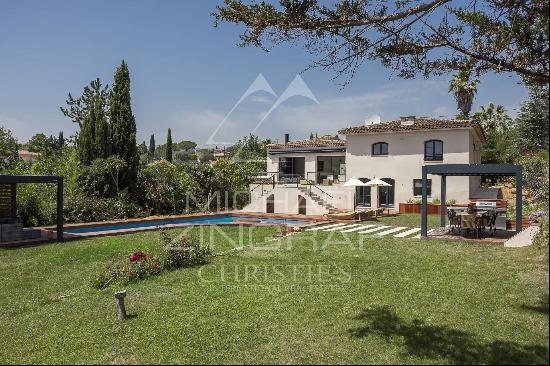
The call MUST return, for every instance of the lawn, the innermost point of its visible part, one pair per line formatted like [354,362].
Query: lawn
[409,220]
[317,298]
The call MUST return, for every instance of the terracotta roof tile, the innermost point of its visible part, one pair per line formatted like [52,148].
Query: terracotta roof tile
[416,124]
[315,142]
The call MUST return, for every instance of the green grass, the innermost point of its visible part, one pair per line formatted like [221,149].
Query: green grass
[409,220]
[318,298]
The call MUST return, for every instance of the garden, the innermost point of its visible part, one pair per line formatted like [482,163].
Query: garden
[312,297]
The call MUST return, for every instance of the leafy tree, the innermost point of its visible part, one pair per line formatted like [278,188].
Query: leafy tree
[206,155]
[8,149]
[102,176]
[500,134]
[186,145]
[152,146]
[165,188]
[39,143]
[535,177]
[142,149]
[78,109]
[233,176]
[123,126]
[184,156]
[311,136]
[207,181]
[533,121]
[464,91]
[425,37]
[252,149]
[168,151]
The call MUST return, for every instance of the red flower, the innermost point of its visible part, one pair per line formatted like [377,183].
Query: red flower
[138,256]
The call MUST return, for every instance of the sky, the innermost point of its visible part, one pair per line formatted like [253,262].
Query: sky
[188,76]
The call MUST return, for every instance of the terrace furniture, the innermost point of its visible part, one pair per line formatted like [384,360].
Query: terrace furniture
[454,220]
[306,182]
[342,215]
[471,222]
[492,222]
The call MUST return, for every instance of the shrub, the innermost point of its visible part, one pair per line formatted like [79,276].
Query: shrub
[183,251]
[165,188]
[535,176]
[82,208]
[36,204]
[123,270]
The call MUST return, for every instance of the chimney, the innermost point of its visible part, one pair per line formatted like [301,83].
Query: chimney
[287,138]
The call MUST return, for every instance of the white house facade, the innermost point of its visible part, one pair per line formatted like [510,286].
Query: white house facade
[307,177]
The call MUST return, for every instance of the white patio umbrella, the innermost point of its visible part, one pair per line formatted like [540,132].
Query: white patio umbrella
[354,182]
[376,182]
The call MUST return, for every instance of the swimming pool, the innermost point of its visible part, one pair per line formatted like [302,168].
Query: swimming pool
[204,220]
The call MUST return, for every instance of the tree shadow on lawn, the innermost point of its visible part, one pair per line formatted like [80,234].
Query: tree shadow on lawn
[541,307]
[441,342]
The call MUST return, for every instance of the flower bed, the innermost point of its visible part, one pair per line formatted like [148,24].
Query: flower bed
[408,208]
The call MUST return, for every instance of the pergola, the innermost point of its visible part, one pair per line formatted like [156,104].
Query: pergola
[445,170]
[13,180]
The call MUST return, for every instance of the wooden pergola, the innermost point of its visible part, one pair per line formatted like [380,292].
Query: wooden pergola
[445,170]
[13,180]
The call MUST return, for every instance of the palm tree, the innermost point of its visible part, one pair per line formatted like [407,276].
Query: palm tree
[464,90]
[492,118]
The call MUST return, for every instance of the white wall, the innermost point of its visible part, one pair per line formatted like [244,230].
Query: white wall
[403,164]
[406,158]
[286,202]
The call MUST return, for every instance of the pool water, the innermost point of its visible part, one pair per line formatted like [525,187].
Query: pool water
[225,219]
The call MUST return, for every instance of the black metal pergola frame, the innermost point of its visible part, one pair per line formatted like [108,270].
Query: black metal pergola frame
[461,170]
[13,180]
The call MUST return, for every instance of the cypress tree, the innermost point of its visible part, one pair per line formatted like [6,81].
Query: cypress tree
[168,153]
[60,140]
[85,145]
[152,145]
[102,138]
[93,139]
[123,127]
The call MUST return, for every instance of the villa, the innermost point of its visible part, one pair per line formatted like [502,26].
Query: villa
[308,176]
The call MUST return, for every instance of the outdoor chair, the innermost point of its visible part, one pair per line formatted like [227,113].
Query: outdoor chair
[471,223]
[492,222]
[454,220]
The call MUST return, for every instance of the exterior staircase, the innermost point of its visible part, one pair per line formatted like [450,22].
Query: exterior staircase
[316,198]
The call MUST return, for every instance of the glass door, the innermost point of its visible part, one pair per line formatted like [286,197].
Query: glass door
[386,194]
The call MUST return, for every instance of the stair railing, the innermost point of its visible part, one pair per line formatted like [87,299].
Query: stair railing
[265,178]
[312,183]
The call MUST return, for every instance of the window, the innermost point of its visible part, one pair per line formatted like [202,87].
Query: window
[363,194]
[379,148]
[417,187]
[433,150]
